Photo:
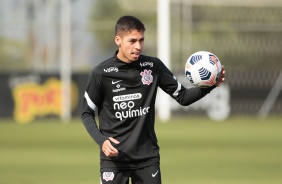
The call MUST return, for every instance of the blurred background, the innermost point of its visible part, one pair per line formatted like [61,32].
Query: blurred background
[45,43]
[46,46]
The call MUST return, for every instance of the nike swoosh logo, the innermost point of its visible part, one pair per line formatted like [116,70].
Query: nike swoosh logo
[115,82]
[153,175]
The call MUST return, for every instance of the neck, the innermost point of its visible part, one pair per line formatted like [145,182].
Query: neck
[122,58]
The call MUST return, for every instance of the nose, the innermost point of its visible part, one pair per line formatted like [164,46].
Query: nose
[138,45]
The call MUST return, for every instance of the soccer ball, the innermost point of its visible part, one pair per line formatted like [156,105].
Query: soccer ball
[203,69]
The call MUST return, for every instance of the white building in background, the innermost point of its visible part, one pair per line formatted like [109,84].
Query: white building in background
[36,23]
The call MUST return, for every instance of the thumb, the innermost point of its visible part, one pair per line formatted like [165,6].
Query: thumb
[113,140]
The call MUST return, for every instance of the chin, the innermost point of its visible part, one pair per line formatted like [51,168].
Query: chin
[135,58]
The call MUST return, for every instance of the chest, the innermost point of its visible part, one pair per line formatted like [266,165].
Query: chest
[129,80]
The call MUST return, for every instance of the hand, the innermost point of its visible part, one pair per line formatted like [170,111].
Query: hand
[108,148]
[221,78]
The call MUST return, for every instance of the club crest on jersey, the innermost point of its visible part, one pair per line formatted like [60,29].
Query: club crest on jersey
[108,176]
[147,78]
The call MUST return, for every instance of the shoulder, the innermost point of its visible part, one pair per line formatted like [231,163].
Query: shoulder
[149,58]
[104,67]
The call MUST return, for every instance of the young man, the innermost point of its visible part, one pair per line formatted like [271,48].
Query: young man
[123,90]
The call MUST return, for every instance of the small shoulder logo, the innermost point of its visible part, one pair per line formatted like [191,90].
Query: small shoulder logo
[108,176]
[147,78]
[147,63]
[111,69]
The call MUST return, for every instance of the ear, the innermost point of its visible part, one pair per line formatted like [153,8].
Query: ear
[118,40]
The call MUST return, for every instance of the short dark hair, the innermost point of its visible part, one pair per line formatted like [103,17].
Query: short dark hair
[128,23]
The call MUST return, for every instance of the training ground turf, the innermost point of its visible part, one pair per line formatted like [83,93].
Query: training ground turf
[193,150]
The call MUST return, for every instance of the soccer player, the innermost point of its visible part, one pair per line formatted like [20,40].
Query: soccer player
[123,90]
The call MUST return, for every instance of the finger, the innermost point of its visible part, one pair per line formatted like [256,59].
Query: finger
[113,140]
[223,73]
[108,149]
[222,69]
[111,152]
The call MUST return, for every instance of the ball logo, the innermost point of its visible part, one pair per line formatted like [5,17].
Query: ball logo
[195,59]
[188,75]
[147,78]
[207,77]
[213,59]
[204,73]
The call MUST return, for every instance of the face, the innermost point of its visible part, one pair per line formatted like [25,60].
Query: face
[130,45]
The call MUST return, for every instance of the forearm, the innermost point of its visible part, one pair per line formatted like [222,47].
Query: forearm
[191,95]
[92,128]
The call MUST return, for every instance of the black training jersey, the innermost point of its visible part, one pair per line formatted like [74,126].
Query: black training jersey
[124,97]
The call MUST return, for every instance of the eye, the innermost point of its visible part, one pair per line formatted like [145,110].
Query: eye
[132,41]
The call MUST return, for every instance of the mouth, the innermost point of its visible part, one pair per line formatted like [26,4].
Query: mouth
[136,54]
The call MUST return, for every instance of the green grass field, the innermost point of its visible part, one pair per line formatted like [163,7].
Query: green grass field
[193,150]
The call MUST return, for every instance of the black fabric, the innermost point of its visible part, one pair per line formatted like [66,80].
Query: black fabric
[151,175]
[124,96]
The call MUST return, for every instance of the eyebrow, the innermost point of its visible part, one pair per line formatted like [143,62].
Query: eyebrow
[130,39]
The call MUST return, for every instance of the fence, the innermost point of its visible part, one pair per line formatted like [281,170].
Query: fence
[245,35]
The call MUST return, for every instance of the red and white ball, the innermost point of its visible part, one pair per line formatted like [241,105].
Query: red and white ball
[203,69]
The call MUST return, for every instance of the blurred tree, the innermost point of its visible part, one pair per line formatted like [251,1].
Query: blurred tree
[13,55]
[105,14]
[241,36]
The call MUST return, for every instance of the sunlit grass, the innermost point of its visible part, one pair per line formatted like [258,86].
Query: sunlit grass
[193,150]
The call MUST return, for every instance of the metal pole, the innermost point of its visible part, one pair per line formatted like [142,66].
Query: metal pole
[65,69]
[271,98]
[163,12]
